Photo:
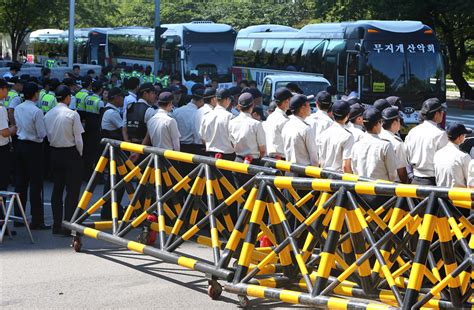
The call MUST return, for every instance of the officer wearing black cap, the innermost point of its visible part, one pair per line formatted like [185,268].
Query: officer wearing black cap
[256,94]
[395,102]
[321,120]
[210,101]
[111,121]
[275,122]
[64,130]
[138,114]
[371,156]
[215,126]
[391,124]
[381,104]
[246,133]
[298,137]
[335,143]
[6,131]
[13,98]
[48,100]
[185,116]
[162,128]
[71,83]
[423,141]
[29,154]
[450,163]
[356,121]
[235,93]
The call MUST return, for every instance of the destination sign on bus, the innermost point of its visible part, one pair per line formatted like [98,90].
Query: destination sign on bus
[404,48]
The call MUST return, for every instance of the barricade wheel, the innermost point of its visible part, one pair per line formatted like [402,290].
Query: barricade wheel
[76,244]
[214,290]
[243,301]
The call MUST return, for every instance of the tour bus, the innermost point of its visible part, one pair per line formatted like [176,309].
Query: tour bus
[199,48]
[376,59]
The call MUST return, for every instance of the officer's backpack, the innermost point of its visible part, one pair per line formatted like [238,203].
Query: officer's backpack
[136,126]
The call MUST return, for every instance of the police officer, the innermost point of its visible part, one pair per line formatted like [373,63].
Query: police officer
[93,104]
[48,101]
[29,154]
[450,163]
[321,120]
[14,69]
[335,143]
[131,85]
[71,83]
[423,141]
[275,122]
[81,97]
[51,62]
[148,76]
[64,130]
[6,131]
[210,101]
[298,136]
[13,98]
[391,124]
[112,122]
[162,128]
[356,121]
[246,134]
[215,127]
[371,156]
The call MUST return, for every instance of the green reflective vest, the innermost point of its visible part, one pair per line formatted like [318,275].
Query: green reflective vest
[81,98]
[148,79]
[165,81]
[51,63]
[47,102]
[11,94]
[92,104]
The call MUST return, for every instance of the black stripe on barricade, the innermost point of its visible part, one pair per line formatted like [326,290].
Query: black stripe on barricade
[149,250]
[446,208]
[113,196]
[159,193]
[295,297]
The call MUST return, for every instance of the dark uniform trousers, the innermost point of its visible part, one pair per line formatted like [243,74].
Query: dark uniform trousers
[29,173]
[424,180]
[4,167]
[67,167]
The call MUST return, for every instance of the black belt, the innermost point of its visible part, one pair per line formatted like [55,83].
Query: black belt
[63,148]
[29,142]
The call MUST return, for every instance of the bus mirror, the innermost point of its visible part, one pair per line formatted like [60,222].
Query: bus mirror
[361,64]
[358,47]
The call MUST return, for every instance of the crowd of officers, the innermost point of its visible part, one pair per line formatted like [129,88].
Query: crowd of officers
[57,126]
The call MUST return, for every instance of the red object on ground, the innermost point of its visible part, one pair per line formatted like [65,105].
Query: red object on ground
[151,238]
[265,242]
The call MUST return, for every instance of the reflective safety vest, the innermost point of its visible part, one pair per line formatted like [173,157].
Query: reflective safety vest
[148,79]
[126,75]
[80,99]
[42,93]
[11,94]
[165,81]
[51,63]
[47,102]
[92,104]
[136,74]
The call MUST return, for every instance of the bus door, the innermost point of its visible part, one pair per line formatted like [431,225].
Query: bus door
[352,79]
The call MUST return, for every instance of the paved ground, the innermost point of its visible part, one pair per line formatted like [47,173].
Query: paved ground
[465,116]
[49,274]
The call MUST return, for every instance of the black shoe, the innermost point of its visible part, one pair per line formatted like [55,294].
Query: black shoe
[61,231]
[40,227]
[18,224]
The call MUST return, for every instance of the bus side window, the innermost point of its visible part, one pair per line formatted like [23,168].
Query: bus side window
[267,92]
[243,55]
[313,55]
[291,55]
[257,49]
[273,48]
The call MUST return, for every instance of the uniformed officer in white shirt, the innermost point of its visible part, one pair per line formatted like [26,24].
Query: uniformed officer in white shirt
[371,156]
[162,128]
[450,163]
[298,137]
[210,101]
[335,143]
[112,123]
[275,122]
[423,141]
[13,99]
[215,127]
[391,123]
[470,175]
[64,130]
[131,85]
[29,154]
[356,121]
[6,131]
[321,120]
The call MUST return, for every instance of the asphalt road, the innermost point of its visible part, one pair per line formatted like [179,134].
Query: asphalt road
[465,116]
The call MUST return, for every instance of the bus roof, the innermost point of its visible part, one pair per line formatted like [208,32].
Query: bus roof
[197,26]
[140,31]
[268,29]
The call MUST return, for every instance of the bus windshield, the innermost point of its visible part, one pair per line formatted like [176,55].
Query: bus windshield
[404,68]
[308,87]
[209,53]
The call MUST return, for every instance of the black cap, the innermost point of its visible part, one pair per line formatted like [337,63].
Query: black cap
[254,92]
[3,83]
[356,110]
[324,98]
[457,129]
[165,97]
[69,82]
[245,100]
[146,87]
[115,91]
[390,113]
[297,101]
[432,105]
[381,104]
[341,108]
[223,93]
[197,86]
[395,101]
[15,79]
[371,116]
[209,93]
[198,93]
[235,90]
[282,93]
[62,92]
[353,101]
